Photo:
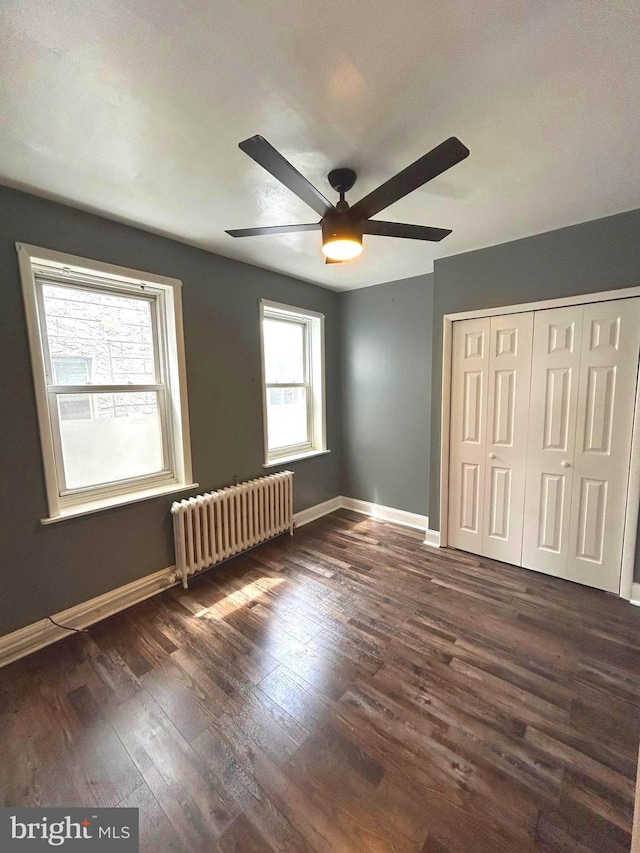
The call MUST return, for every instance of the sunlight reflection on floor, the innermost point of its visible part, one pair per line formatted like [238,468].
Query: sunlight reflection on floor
[239,598]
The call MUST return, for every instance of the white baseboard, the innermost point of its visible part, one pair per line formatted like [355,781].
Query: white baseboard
[40,634]
[26,640]
[386,513]
[432,538]
[313,512]
[635,594]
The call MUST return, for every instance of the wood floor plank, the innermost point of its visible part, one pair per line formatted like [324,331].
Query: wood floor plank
[346,690]
[198,810]
[243,837]
[155,830]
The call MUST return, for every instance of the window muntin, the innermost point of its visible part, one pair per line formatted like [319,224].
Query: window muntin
[293,386]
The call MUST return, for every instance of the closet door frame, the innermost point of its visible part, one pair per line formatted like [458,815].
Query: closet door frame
[628,590]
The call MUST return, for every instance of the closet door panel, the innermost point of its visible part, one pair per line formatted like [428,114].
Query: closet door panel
[509,377]
[470,363]
[553,406]
[606,402]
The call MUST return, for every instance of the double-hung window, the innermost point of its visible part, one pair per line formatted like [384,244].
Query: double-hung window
[293,382]
[108,364]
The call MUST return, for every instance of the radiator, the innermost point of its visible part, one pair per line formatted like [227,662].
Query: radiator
[212,527]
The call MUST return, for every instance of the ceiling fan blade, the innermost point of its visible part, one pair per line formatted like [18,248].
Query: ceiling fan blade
[273,229]
[266,156]
[409,232]
[437,161]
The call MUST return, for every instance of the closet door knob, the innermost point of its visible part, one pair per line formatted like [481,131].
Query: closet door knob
[492,456]
[566,464]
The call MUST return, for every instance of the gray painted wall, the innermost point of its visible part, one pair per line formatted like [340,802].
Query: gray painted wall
[600,255]
[385,404]
[386,345]
[386,393]
[46,569]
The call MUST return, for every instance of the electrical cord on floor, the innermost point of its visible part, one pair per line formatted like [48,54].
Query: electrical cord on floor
[66,627]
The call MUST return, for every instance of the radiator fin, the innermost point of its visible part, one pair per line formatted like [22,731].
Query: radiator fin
[212,527]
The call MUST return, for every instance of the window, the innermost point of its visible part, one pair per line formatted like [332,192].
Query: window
[293,382]
[106,347]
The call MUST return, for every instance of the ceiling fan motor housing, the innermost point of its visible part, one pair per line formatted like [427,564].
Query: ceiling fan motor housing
[338,225]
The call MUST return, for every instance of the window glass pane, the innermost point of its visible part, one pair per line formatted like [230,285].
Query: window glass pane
[283,351]
[287,422]
[111,335]
[109,437]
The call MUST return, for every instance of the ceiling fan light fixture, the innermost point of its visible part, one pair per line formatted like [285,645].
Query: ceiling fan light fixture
[342,250]
[341,238]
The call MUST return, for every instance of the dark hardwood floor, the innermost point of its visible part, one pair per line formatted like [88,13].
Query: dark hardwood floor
[345,690]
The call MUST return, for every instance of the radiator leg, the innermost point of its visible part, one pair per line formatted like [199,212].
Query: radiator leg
[185,582]
[292,526]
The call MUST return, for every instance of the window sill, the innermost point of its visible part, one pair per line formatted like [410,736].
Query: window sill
[117,500]
[284,460]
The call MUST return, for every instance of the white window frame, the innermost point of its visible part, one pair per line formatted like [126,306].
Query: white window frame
[314,381]
[45,265]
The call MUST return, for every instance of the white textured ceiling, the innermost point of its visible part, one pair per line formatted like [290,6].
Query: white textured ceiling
[134,109]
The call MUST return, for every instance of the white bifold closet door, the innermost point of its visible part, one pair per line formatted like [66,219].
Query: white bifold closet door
[467,443]
[581,419]
[491,368]
[552,429]
[542,408]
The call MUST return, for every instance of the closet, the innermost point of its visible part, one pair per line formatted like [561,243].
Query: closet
[541,420]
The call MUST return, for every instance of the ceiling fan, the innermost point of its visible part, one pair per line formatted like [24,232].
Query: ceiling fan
[342,226]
